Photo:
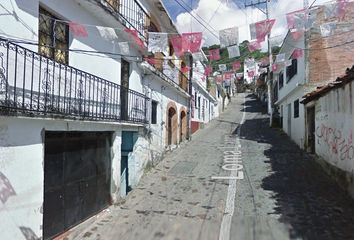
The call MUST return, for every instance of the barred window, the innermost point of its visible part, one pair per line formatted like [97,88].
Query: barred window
[281,80]
[291,71]
[53,37]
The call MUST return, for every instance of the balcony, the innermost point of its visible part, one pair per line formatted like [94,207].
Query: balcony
[130,13]
[35,86]
[168,70]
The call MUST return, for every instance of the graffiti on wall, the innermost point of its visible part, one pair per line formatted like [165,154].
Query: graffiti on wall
[337,142]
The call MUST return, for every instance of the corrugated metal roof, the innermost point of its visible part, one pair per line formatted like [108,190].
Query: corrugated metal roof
[323,90]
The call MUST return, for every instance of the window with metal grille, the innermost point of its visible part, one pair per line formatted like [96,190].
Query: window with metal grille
[153,112]
[291,71]
[281,80]
[53,37]
[296,108]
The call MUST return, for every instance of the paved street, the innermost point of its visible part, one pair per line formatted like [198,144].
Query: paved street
[283,194]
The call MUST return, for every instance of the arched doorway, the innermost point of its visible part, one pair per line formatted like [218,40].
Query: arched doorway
[183,125]
[171,124]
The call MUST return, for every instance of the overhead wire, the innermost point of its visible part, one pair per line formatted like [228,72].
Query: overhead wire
[212,33]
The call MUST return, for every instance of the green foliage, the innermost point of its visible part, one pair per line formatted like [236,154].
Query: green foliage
[224,56]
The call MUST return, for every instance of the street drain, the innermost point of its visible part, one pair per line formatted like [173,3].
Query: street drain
[182,168]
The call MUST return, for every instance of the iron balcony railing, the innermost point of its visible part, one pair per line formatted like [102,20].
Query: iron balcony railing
[131,14]
[34,85]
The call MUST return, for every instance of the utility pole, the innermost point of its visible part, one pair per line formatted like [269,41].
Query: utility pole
[189,116]
[269,81]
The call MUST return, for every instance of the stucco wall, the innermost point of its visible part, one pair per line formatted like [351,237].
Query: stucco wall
[335,128]
[22,159]
[297,129]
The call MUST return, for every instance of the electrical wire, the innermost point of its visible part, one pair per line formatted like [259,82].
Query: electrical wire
[213,34]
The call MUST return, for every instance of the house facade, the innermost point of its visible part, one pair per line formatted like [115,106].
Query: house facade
[204,106]
[324,58]
[81,111]
[289,81]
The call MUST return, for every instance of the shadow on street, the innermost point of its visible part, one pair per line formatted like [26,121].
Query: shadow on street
[306,198]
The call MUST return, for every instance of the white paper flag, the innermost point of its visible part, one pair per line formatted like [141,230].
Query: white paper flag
[327,29]
[234,51]
[229,37]
[253,31]
[288,63]
[158,42]
[222,67]
[107,33]
[280,58]
[198,56]
[124,48]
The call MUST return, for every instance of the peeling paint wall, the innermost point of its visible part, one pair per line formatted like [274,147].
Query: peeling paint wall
[335,128]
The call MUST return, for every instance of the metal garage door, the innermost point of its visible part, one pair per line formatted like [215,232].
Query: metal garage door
[77,170]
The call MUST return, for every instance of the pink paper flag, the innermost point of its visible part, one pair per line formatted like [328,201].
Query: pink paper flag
[177,45]
[274,67]
[298,53]
[135,35]
[236,65]
[77,29]
[185,69]
[214,54]
[151,60]
[251,74]
[219,79]
[263,28]
[296,34]
[254,45]
[227,75]
[342,6]
[208,70]
[296,20]
[191,42]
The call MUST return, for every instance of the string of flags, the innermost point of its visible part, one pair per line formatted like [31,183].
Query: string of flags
[298,22]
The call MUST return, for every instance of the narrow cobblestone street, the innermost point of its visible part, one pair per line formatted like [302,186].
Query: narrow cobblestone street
[283,195]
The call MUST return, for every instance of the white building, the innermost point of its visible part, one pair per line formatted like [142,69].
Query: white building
[289,81]
[80,114]
[204,106]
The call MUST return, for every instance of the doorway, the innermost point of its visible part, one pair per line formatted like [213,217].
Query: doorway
[183,128]
[289,119]
[77,177]
[311,128]
[171,126]
[124,90]
[129,139]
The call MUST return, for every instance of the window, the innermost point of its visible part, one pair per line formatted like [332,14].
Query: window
[53,37]
[153,112]
[296,108]
[195,101]
[281,80]
[291,71]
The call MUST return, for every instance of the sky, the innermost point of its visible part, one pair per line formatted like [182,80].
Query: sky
[221,14]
